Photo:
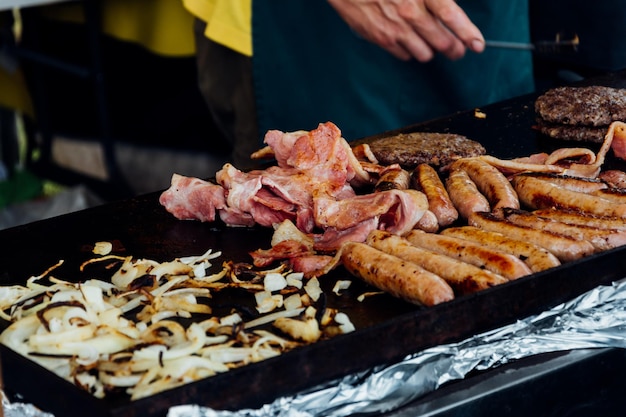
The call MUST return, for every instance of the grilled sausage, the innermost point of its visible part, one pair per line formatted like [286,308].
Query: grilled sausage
[601,239]
[490,181]
[584,219]
[428,222]
[538,194]
[464,194]
[536,257]
[616,195]
[497,261]
[426,179]
[580,184]
[393,179]
[564,248]
[462,277]
[400,278]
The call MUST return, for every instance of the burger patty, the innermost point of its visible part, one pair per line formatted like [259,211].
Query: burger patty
[574,133]
[436,149]
[587,106]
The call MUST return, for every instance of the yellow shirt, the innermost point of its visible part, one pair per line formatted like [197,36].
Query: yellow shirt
[162,26]
[229,22]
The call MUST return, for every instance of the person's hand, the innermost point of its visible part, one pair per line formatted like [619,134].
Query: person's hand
[413,28]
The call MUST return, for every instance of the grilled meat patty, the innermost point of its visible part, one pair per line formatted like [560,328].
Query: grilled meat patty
[574,133]
[587,106]
[580,113]
[436,149]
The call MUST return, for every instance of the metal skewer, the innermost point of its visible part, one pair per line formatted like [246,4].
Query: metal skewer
[510,45]
[555,46]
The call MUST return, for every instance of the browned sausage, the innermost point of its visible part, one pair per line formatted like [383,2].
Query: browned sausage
[601,239]
[490,181]
[426,179]
[464,194]
[563,247]
[536,257]
[580,184]
[616,195]
[428,222]
[393,179]
[538,194]
[461,276]
[497,261]
[584,219]
[400,278]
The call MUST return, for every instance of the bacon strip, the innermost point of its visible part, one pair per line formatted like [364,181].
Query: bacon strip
[578,162]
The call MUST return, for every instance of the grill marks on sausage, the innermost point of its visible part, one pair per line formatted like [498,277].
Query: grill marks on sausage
[565,248]
[497,261]
[601,239]
[461,276]
[537,258]
[402,279]
[538,194]
[490,181]
[426,179]
[502,242]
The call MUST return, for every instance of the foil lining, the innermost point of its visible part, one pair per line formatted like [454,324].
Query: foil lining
[596,319]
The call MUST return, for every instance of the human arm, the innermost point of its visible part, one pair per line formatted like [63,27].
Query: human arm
[412,28]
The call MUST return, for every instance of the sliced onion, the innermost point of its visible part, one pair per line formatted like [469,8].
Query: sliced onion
[196,337]
[268,318]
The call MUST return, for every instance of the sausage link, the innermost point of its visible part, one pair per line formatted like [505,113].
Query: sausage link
[426,179]
[580,184]
[616,195]
[428,222]
[402,279]
[393,179]
[538,194]
[497,261]
[601,239]
[536,257]
[563,247]
[463,277]
[464,194]
[490,181]
[583,219]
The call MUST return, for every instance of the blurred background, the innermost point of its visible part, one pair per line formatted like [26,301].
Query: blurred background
[99,99]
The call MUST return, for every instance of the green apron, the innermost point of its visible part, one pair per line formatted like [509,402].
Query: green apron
[310,67]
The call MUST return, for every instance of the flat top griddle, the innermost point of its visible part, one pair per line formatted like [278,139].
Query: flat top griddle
[387,329]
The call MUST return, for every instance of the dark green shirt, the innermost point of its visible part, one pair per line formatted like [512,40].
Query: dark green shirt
[310,67]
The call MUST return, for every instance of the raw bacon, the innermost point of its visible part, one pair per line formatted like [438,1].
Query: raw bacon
[311,186]
[193,199]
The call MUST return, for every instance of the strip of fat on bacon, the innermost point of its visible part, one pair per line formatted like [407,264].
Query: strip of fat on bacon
[579,162]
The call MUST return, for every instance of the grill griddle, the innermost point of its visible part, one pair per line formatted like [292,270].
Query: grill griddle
[387,329]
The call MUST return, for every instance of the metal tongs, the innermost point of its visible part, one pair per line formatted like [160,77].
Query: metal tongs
[556,46]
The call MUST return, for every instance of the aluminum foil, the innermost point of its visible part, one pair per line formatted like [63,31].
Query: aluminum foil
[18,409]
[596,319]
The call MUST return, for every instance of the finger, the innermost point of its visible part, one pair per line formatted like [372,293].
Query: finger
[452,16]
[368,21]
[405,35]
[417,47]
[428,27]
